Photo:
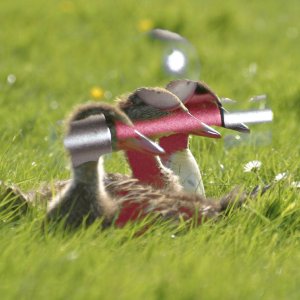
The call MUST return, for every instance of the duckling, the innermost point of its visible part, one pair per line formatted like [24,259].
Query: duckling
[146,104]
[84,198]
[178,171]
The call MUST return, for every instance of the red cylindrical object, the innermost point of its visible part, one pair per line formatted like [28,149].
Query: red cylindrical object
[176,122]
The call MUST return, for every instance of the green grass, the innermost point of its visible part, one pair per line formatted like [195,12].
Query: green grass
[59,50]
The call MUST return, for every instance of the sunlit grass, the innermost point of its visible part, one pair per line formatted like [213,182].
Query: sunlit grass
[56,54]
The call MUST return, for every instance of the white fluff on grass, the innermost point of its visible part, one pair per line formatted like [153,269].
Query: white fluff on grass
[296,184]
[252,166]
[280,176]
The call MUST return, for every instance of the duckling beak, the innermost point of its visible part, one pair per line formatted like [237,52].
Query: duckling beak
[141,143]
[147,145]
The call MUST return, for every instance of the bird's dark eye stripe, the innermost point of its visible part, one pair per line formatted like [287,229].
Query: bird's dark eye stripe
[201,89]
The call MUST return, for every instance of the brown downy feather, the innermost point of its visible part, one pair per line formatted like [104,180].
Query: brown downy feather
[111,113]
[136,109]
[84,199]
[119,189]
[13,201]
[172,204]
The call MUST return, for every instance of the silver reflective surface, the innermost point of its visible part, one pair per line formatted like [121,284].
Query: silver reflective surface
[88,139]
[249,117]
[175,62]
[166,35]
[179,56]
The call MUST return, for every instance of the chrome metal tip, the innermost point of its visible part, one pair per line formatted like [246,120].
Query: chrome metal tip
[209,130]
[145,144]
[239,127]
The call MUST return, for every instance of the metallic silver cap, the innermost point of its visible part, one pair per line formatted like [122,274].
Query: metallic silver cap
[88,139]
[249,117]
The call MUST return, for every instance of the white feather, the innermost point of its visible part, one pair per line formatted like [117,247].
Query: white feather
[185,166]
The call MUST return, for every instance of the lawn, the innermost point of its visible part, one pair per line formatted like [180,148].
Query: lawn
[53,54]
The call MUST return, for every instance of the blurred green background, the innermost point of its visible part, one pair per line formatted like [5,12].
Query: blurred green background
[55,54]
[58,51]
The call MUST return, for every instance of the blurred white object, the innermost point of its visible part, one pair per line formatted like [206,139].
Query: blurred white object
[179,57]
[252,166]
[184,165]
[280,176]
[11,79]
[248,117]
